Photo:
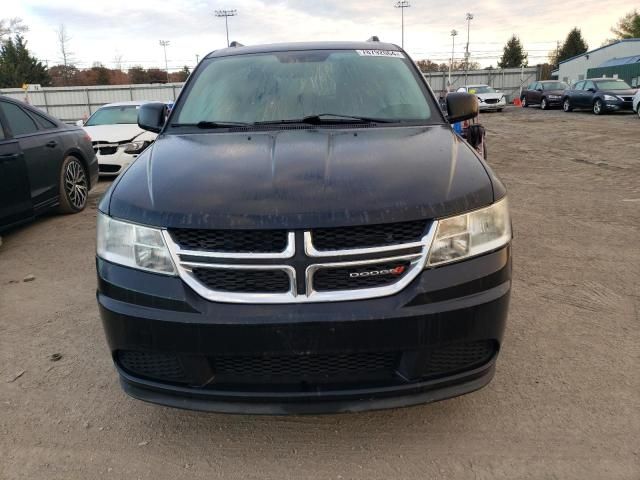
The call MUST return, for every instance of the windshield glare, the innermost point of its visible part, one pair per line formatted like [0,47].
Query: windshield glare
[280,86]
[481,89]
[555,86]
[114,115]
[613,85]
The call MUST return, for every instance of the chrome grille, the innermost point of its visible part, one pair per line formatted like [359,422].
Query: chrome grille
[258,267]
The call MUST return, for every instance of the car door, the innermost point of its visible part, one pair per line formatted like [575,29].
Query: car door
[574,94]
[536,93]
[42,153]
[15,191]
[587,94]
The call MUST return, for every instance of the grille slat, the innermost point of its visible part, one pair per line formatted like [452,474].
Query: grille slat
[331,279]
[245,281]
[153,365]
[234,241]
[459,356]
[366,236]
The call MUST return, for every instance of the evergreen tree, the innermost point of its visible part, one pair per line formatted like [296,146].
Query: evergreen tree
[18,67]
[572,46]
[513,55]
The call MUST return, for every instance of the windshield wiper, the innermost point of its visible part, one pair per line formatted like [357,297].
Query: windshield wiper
[327,118]
[206,124]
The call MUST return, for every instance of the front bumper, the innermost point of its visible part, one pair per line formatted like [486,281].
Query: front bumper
[618,106]
[441,310]
[554,102]
[116,163]
[490,107]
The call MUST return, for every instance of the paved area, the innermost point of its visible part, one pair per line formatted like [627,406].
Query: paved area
[565,402]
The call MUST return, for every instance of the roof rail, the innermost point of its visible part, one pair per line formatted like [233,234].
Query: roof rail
[373,39]
[235,44]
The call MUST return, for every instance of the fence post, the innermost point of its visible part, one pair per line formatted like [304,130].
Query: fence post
[46,104]
[86,91]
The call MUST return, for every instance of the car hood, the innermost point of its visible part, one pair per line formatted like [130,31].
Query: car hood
[301,179]
[624,93]
[487,96]
[114,133]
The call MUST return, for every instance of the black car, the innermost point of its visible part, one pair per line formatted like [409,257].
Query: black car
[306,234]
[601,95]
[546,93]
[44,164]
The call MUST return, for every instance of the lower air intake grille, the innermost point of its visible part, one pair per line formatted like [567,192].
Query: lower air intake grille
[361,276]
[162,366]
[306,367]
[235,241]
[367,236]
[460,356]
[245,281]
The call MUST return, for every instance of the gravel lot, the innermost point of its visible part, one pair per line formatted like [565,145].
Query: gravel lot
[565,402]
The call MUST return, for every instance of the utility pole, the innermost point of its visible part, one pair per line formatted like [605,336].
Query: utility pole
[402,4]
[226,14]
[164,44]
[197,59]
[466,53]
[453,48]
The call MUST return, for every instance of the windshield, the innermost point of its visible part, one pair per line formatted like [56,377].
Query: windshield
[555,86]
[481,89]
[281,86]
[114,115]
[613,85]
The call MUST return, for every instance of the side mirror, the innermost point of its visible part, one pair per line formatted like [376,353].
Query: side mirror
[151,116]
[461,106]
[539,89]
[80,123]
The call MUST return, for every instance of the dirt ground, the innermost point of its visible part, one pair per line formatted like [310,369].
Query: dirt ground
[565,402]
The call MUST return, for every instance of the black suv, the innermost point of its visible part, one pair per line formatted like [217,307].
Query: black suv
[547,93]
[306,234]
[601,95]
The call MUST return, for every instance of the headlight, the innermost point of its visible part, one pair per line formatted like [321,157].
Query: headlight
[471,234]
[136,147]
[610,98]
[133,246]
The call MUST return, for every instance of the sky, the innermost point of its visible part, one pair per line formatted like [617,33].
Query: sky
[102,31]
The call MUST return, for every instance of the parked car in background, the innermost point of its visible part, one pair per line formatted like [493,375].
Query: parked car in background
[601,95]
[547,93]
[489,99]
[636,103]
[44,164]
[117,139]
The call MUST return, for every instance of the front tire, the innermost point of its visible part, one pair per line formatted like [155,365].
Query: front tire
[74,186]
[524,102]
[566,105]
[543,104]
[598,107]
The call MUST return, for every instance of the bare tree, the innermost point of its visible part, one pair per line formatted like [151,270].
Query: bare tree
[66,55]
[11,26]
[117,61]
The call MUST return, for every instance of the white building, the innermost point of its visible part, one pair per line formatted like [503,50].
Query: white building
[575,69]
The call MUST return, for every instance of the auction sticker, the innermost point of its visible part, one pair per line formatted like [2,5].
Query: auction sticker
[380,53]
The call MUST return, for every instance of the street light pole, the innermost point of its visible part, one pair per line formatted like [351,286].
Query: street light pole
[226,14]
[453,48]
[402,4]
[165,44]
[466,53]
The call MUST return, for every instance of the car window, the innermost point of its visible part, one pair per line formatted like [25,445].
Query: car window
[578,86]
[613,85]
[124,114]
[281,86]
[555,86]
[531,86]
[43,121]
[588,85]
[18,121]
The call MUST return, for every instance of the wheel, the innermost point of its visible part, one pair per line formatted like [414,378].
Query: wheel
[598,108]
[566,105]
[484,150]
[74,186]
[500,109]
[638,111]
[524,102]
[543,104]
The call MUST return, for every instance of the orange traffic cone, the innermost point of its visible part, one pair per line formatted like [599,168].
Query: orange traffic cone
[517,102]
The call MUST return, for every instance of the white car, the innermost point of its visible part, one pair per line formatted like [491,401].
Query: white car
[489,99]
[116,137]
[636,102]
